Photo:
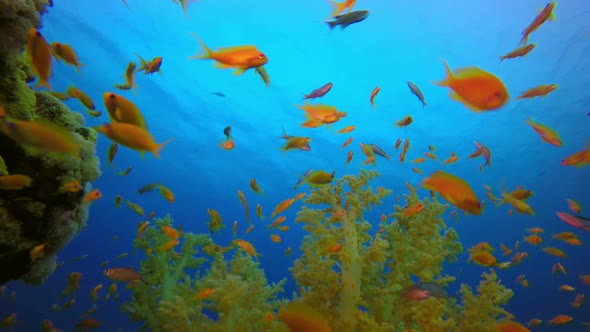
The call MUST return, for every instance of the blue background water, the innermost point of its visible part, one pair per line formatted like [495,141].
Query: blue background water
[399,41]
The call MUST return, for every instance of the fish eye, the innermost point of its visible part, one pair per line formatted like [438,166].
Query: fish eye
[261,56]
[499,94]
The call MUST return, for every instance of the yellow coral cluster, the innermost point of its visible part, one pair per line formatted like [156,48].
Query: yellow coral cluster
[169,300]
[357,286]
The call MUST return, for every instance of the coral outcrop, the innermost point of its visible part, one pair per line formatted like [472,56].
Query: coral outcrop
[38,214]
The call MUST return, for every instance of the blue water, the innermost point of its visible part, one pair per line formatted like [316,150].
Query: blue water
[400,41]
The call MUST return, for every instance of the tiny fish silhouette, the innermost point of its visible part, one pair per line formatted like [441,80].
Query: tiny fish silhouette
[349,18]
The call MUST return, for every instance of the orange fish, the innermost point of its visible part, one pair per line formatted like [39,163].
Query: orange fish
[413,209]
[475,88]
[453,189]
[544,15]
[132,136]
[547,134]
[284,205]
[241,58]
[149,67]
[74,92]
[560,319]
[67,54]
[204,294]
[406,121]
[574,206]
[541,90]
[300,317]
[347,142]
[244,202]
[228,144]
[339,7]
[349,157]
[521,51]
[122,109]
[346,129]
[39,52]
[14,182]
[373,95]
[578,159]
[92,196]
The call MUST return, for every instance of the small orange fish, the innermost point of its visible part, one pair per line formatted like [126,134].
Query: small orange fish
[92,196]
[67,54]
[204,294]
[555,252]
[346,143]
[521,51]
[406,121]
[284,205]
[346,129]
[413,209]
[541,90]
[275,238]
[373,95]
[574,206]
[547,134]
[74,92]
[228,144]
[544,15]
[149,67]
[560,319]
[349,157]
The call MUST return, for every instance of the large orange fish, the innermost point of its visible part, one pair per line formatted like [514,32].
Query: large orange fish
[39,51]
[453,189]
[241,58]
[475,88]
[132,136]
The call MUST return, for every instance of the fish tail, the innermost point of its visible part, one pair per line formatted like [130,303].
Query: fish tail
[502,58]
[337,8]
[524,39]
[208,52]
[43,83]
[285,136]
[159,147]
[144,64]
[449,73]
[332,24]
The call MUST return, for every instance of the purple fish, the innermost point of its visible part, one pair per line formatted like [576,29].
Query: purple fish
[306,147]
[319,92]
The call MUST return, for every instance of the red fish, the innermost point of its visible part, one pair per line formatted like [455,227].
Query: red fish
[319,92]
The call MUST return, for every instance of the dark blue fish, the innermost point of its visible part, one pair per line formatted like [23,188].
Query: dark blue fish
[349,18]
[378,151]
[219,94]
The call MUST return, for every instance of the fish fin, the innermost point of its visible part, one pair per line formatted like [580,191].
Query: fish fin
[43,83]
[285,136]
[524,39]
[467,72]
[447,80]
[239,71]
[208,54]
[220,65]
[337,8]
[159,147]
[458,98]
[332,24]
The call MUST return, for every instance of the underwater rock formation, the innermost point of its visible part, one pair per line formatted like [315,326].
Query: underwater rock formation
[38,214]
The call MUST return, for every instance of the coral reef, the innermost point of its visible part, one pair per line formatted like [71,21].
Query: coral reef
[347,277]
[38,214]
[359,287]
[171,299]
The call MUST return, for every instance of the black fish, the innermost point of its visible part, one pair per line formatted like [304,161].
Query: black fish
[227,131]
[349,18]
